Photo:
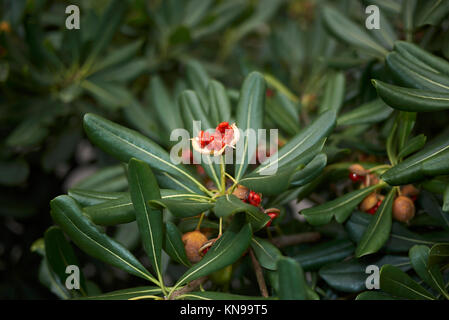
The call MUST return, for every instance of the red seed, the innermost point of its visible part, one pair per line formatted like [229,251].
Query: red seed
[254,198]
[355,177]
[223,126]
[374,209]
[269,93]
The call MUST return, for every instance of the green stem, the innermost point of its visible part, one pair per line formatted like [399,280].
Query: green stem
[223,175]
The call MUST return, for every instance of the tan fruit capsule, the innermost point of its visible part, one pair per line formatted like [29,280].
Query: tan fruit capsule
[403,209]
[409,190]
[357,169]
[193,241]
[369,202]
[241,192]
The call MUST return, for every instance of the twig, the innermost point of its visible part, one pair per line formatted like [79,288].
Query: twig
[259,275]
[190,287]
[292,239]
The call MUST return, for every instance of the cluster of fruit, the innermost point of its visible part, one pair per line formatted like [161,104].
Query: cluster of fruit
[403,205]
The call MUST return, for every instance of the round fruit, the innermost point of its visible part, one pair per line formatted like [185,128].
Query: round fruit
[403,209]
[192,243]
[369,202]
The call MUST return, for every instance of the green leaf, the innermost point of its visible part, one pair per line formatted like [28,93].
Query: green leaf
[67,214]
[439,253]
[249,115]
[59,254]
[118,56]
[166,109]
[198,79]
[419,256]
[143,188]
[124,144]
[397,283]
[321,127]
[108,179]
[412,145]
[446,199]
[408,99]
[347,31]
[229,205]
[350,275]
[378,231]
[90,197]
[321,254]
[266,253]
[414,76]
[108,24]
[173,244]
[341,207]
[183,208]
[274,183]
[225,251]
[433,160]
[406,122]
[431,205]
[436,63]
[211,295]
[374,295]
[220,106]
[312,170]
[431,12]
[136,293]
[370,112]
[408,12]
[292,284]
[334,93]
[111,212]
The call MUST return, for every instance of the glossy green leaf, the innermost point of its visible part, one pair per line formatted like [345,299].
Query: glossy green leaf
[220,105]
[211,295]
[59,254]
[378,231]
[225,251]
[67,214]
[431,161]
[136,293]
[334,93]
[351,33]
[266,253]
[308,137]
[408,13]
[198,79]
[350,275]
[124,144]
[371,112]
[173,244]
[432,12]
[312,170]
[408,99]
[341,207]
[143,188]
[292,284]
[397,283]
[111,212]
[92,197]
[432,207]
[419,257]
[374,295]
[230,204]
[166,109]
[414,76]
[321,254]
[439,253]
[108,179]
[446,199]
[249,115]
[412,145]
[183,208]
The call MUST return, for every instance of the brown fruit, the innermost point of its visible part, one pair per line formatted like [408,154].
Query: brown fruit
[403,209]
[369,202]
[357,169]
[241,192]
[192,243]
[409,190]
